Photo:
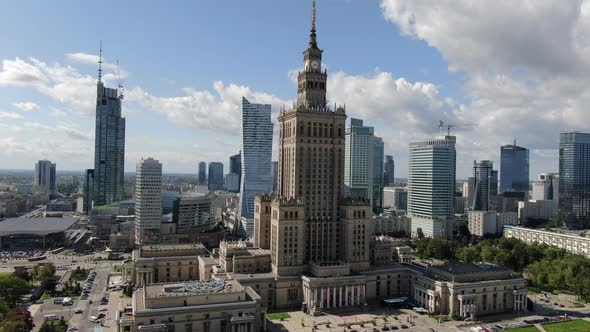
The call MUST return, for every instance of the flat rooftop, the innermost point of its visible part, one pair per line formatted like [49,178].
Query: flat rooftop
[467,268]
[208,287]
[36,226]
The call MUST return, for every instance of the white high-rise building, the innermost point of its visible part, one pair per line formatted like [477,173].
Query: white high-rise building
[546,187]
[256,155]
[363,164]
[148,201]
[431,186]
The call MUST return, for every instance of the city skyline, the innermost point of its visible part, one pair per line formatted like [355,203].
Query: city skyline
[48,95]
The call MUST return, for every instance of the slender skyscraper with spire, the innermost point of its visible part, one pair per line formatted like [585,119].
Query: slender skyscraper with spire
[109,144]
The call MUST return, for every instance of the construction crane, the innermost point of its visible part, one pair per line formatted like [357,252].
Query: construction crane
[442,125]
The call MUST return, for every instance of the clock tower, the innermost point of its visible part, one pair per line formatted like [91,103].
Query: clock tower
[311,82]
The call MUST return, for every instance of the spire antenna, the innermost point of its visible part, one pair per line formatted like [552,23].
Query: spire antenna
[313,15]
[312,36]
[100,63]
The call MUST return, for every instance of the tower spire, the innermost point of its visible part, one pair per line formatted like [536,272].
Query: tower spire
[100,63]
[312,37]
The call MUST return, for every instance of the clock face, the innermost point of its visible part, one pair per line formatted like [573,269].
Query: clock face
[315,65]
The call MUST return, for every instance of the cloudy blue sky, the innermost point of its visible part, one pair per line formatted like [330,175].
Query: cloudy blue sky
[498,70]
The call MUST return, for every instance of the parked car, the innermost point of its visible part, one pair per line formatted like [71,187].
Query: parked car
[78,310]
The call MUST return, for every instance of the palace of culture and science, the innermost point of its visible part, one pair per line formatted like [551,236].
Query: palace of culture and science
[312,248]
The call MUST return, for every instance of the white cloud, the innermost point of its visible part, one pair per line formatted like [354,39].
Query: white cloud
[217,110]
[526,67]
[56,112]
[10,116]
[27,106]
[63,83]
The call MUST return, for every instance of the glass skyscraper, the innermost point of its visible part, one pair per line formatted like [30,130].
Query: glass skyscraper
[257,131]
[215,181]
[202,173]
[235,167]
[574,180]
[485,190]
[363,164]
[431,186]
[514,168]
[378,153]
[45,176]
[109,147]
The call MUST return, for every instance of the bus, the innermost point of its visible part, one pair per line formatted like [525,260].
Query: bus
[36,258]
[50,317]
[57,251]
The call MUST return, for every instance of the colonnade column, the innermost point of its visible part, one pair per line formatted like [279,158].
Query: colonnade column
[340,302]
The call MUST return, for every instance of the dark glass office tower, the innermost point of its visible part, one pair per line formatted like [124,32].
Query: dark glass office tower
[202,173]
[235,166]
[514,168]
[109,147]
[215,176]
[574,180]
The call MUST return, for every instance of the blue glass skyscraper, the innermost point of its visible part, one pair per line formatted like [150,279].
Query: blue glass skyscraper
[514,168]
[256,155]
[574,180]
[109,146]
[215,181]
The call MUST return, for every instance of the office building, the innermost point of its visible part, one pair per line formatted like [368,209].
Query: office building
[232,182]
[193,213]
[362,177]
[514,168]
[572,242]
[431,186]
[87,191]
[202,173]
[574,180]
[481,223]
[45,177]
[235,166]
[508,200]
[378,149]
[215,181]
[485,191]
[395,198]
[148,201]
[469,191]
[546,187]
[537,209]
[257,131]
[275,176]
[109,146]
[388,171]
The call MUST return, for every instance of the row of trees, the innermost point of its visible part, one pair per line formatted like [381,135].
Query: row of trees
[548,268]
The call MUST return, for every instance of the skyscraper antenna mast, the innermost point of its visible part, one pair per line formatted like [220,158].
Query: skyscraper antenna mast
[100,63]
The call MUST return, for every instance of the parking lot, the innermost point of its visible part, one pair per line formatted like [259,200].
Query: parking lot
[87,313]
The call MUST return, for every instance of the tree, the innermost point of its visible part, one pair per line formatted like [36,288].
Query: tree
[18,319]
[12,288]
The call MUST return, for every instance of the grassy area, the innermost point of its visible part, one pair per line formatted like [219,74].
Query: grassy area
[278,316]
[523,329]
[569,326]
[67,252]
[57,325]
[45,296]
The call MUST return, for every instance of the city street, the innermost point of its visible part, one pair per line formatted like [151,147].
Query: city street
[81,321]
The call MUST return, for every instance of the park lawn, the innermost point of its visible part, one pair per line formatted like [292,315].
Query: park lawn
[280,315]
[577,325]
[524,329]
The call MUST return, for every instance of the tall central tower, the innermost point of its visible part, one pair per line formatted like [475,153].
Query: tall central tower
[311,158]
[311,82]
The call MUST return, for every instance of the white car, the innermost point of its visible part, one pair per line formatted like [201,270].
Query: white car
[78,310]
[103,309]
[93,319]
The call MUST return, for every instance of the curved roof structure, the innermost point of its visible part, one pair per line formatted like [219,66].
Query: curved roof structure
[36,226]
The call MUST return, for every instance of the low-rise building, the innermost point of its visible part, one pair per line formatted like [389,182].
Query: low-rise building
[214,305]
[537,209]
[389,222]
[575,244]
[481,223]
[164,263]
